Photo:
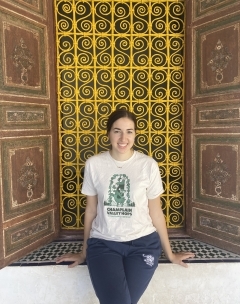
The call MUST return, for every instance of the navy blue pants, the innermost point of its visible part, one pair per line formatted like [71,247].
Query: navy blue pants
[121,271]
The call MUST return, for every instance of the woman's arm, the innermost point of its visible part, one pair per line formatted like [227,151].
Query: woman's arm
[90,214]
[158,220]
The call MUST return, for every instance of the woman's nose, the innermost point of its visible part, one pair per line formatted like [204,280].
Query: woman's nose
[123,136]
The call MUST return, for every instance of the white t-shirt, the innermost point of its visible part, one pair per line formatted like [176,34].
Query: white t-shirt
[123,193]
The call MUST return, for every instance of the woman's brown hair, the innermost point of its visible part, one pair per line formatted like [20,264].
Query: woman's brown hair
[120,113]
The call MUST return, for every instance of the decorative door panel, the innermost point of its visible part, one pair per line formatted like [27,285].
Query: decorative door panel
[216,169]
[213,122]
[21,116]
[23,67]
[28,129]
[35,7]
[217,48]
[26,175]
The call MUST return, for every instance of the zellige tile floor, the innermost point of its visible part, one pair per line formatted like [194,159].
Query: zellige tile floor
[204,253]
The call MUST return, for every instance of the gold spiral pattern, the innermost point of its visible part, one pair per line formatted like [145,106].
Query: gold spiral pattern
[126,54]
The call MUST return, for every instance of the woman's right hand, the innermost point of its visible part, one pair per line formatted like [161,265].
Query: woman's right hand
[76,258]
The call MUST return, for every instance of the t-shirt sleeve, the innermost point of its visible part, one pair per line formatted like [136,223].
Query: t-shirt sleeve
[88,187]
[155,186]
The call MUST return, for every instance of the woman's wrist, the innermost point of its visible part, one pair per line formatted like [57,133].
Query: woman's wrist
[169,256]
[83,254]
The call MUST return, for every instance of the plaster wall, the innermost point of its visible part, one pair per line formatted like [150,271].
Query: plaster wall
[205,283]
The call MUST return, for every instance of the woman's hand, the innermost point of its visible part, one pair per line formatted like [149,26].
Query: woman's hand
[177,258]
[76,258]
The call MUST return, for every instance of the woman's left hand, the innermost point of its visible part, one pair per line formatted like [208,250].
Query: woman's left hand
[178,258]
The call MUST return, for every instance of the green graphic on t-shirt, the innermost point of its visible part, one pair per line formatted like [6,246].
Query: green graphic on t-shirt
[119,196]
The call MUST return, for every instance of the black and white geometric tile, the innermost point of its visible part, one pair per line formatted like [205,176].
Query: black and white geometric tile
[204,253]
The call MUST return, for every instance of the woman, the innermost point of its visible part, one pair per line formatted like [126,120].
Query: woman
[124,226]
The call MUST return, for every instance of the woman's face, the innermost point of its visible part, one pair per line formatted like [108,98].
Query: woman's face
[121,136]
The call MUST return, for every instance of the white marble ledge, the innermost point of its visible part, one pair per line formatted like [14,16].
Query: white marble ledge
[208,283]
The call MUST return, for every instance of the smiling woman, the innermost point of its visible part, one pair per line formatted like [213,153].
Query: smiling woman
[125,229]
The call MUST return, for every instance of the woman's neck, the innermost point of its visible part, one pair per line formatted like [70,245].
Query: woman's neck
[121,157]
